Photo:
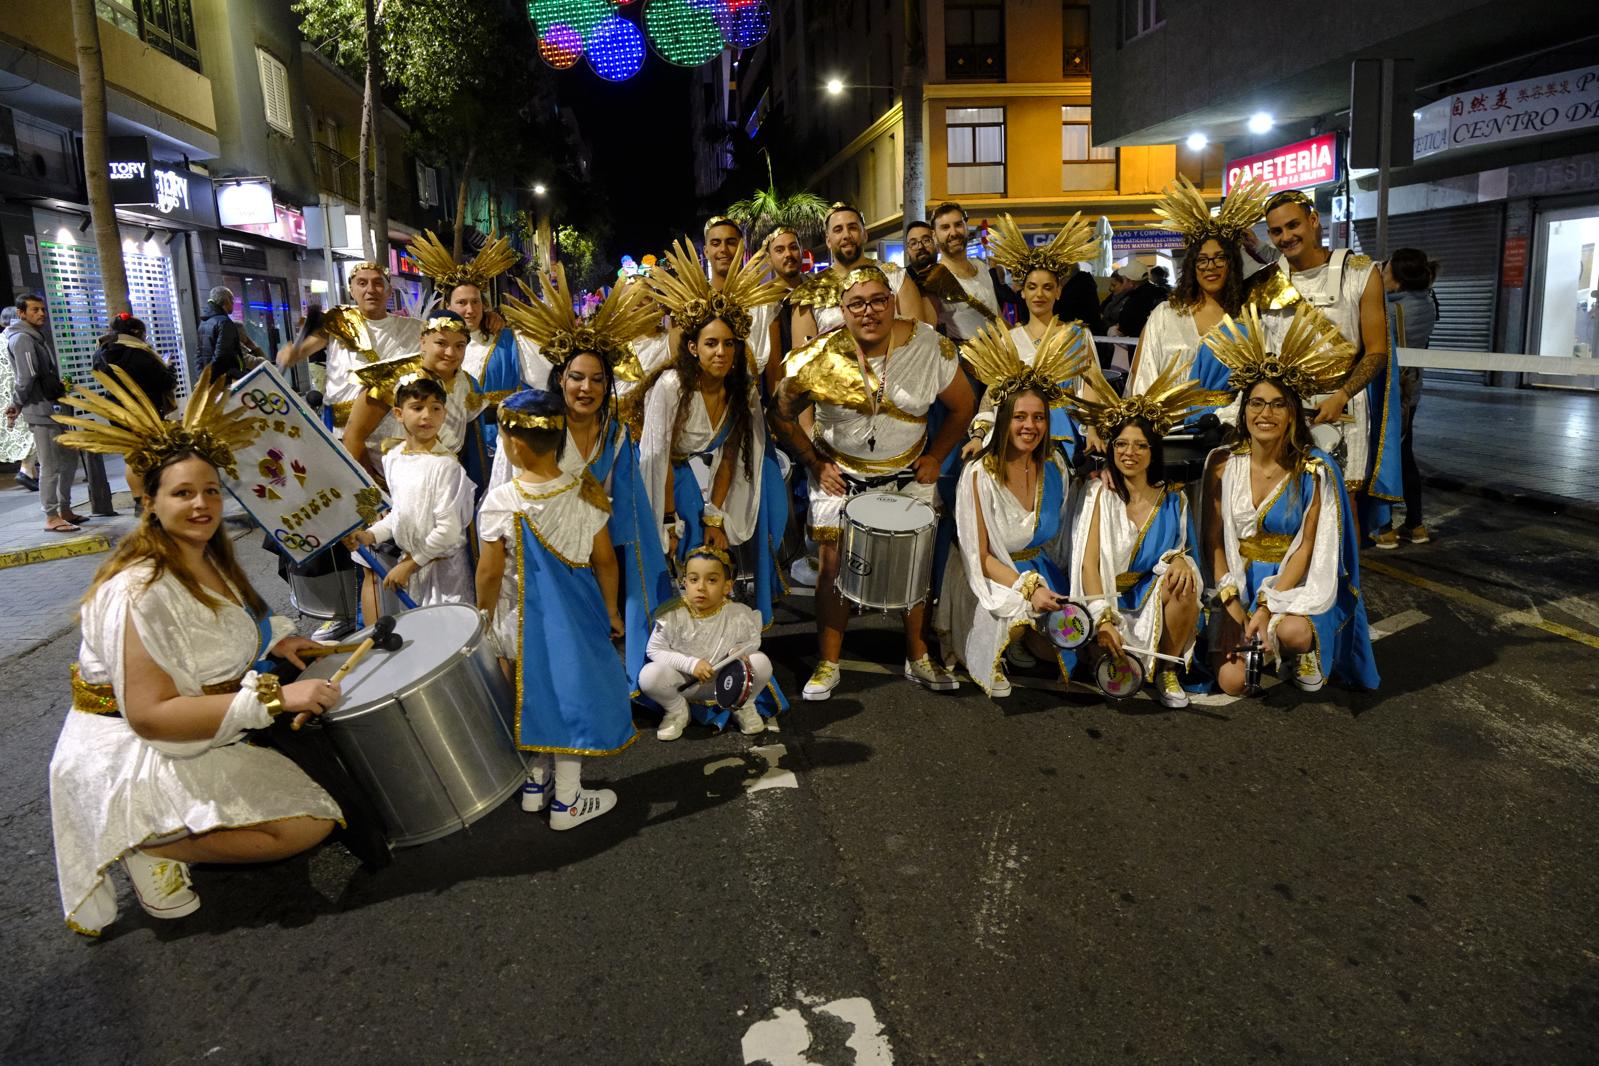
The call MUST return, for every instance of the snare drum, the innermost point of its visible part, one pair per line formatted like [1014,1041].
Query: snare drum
[1120,678]
[886,551]
[735,684]
[327,594]
[427,730]
[1068,627]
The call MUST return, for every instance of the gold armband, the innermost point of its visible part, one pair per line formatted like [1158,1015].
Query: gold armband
[269,690]
[1030,583]
[714,521]
[1226,594]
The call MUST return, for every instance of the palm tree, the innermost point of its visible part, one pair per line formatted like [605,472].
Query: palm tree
[766,210]
[91,84]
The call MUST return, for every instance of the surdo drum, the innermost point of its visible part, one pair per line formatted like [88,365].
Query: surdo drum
[427,731]
[886,551]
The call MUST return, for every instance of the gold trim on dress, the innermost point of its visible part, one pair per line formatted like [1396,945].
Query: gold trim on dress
[1265,547]
[870,467]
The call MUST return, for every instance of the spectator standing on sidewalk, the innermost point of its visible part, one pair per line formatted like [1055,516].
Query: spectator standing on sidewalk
[16,439]
[124,346]
[1144,297]
[222,345]
[36,395]
[1407,280]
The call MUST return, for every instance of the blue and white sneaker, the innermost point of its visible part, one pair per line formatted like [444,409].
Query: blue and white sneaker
[587,806]
[536,797]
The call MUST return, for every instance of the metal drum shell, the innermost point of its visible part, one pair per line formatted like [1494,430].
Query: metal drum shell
[895,568]
[326,596]
[439,753]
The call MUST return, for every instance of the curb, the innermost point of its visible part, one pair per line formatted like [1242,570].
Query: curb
[1544,502]
[64,549]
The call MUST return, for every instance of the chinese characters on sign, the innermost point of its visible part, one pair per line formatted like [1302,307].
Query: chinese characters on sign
[1558,103]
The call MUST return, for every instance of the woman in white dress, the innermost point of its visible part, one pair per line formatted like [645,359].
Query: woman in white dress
[1011,517]
[1134,563]
[149,768]
[708,464]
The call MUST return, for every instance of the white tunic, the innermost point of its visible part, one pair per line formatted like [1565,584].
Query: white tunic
[432,508]
[561,518]
[111,790]
[393,337]
[680,638]
[1119,541]
[478,351]
[977,617]
[1171,334]
[657,449]
[459,410]
[961,320]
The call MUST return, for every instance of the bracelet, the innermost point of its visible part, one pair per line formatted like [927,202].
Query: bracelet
[269,691]
[1030,582]
[713,521]
[1226,594]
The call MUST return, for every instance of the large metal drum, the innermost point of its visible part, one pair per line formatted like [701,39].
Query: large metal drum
[886,551]
[330,592]
[427,730]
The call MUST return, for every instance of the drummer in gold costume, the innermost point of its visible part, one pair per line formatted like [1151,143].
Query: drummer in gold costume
[149,769]
[818,300]
[872,385]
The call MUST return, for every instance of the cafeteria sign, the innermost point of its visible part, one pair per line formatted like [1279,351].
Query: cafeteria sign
[1294,166]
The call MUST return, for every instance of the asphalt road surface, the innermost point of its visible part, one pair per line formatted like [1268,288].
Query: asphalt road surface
[897,877]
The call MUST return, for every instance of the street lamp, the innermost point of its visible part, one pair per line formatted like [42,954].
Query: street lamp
[835,86]
[1261,122]
[1196,142]
[539,189]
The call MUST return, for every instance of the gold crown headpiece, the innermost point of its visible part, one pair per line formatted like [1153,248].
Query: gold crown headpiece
[1312,359]
[722,220]
[705,551]
[1063,353]
[1074,243]
[1183,208]
[686,292]
[434,260]
[1289,196]
[439,322]
[1166,403]
[138,431]
[552,322]
[514,419]
[368,264]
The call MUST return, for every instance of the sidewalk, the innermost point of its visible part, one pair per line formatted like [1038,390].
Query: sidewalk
[1535,447]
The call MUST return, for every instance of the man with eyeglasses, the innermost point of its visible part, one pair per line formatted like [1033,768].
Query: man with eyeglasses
[966,294]
[871,385]
[1347,288]
[921,251]
[816,300]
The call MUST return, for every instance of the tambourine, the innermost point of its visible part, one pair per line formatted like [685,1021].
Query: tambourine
[1119,676]
[735,684]
[1067,627]
[1254,654]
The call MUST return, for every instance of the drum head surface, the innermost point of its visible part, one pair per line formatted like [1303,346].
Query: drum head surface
[1119,678]
[433,636]
[733,685]
[1068,627]
[889,511]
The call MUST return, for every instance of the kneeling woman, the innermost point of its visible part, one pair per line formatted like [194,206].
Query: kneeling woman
[705,407]
[1278,533]
[149,769]
[1010,508]
[1133,564]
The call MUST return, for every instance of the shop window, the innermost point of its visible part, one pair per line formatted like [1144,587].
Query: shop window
[976,141]
[275,91]
[974,39]
[44,153]
[1083,168]
[165,25]
[1074,57]
[427,186]
[1139,17]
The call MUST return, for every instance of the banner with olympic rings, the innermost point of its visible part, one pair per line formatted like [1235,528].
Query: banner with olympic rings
[296,480]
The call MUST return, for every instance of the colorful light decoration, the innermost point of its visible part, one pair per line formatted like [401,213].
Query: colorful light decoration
[685,33]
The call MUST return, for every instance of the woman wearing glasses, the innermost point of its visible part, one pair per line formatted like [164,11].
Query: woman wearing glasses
[1209,288]
[1278,535]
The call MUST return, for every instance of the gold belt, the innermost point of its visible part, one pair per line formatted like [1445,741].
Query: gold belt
[857,464]
[1026,555]
[341,412]
[1129,579]
[1265,547]
[91,698]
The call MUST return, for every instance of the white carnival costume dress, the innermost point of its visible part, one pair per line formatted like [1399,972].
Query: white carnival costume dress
[429,521]
[111,790]
[682,637]
[355,341]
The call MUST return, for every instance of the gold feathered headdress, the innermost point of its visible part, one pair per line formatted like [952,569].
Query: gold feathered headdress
[1312,359]
[138,431]
[1183,208]
[1063,353]
[1074,243]
[1166,403]
[686,292]
[552,322]
[493,259]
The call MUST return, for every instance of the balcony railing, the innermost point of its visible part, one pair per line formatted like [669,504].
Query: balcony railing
[165,25]
[338,174]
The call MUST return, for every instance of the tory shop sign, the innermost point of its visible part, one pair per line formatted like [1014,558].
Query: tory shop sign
[1293,166]
[173,191]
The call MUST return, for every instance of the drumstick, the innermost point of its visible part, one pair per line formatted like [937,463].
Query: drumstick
[1150,651]
[736,653]
[329,649]
[338,675]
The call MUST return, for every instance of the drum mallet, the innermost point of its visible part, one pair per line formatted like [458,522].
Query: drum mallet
[382,571]
[349,664]
[736,653]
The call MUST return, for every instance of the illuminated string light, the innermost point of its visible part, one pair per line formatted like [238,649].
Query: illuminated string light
[616,49]
[686,33]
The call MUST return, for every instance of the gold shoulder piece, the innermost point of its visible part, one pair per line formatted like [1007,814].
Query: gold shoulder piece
[818,290]
[827,370]
[1269,290]
[667,608]
[381,379]
[1358,262]
[946,348]
[390,443]
[347,325]
[591,490]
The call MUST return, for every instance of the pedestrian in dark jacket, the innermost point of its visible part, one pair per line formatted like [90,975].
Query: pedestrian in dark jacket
[125,346]
[221,344]
[1144,298]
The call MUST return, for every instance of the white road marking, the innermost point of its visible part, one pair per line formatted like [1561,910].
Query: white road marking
[1001,869]
[770,776]
[871,1047]
[783,1038]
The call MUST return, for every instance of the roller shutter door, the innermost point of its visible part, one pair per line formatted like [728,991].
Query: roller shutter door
[1466,242]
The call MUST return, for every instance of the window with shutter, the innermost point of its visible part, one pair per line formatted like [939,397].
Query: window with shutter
[275,92]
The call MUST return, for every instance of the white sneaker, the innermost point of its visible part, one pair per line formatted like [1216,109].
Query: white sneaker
[749,720]
[535,797]
[771,725]
[1019,657]
[162,885]
[823,681]
[588,806]
[1168,690]
[672,725]
[328,632]
[803,572]
[930,675]
[1307,673]
[999,688]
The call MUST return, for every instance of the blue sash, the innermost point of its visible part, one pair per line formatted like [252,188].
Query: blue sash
[1343,635]
[641,564]
[571,692]
[1211,373]
[502,371]
[1165,528]
[1045,529]
[686,497]
[1387,483]
[263,630]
